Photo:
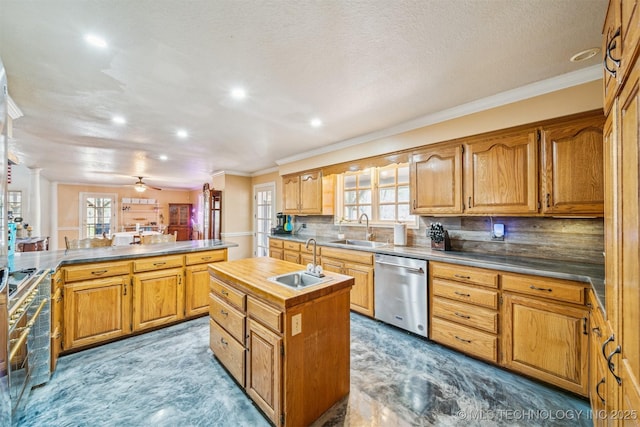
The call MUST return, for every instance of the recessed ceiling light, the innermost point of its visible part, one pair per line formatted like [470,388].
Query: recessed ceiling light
[181,133]
[164,157]
[119,120]
[96,41]
[585,54]
[316,123]
[238,93]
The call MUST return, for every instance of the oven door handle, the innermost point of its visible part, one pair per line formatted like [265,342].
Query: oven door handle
[25,332]
[414,269]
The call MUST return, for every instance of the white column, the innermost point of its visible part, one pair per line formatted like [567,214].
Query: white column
[34,201]
[53,217]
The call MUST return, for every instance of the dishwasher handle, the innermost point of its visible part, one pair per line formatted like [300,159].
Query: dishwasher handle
[414,269]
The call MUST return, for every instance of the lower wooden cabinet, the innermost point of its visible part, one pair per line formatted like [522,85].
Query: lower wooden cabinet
[264,369]
[547,341]
[96,310]
[359,265]
[158,298]
[291,358]
[103,301]
[532,325]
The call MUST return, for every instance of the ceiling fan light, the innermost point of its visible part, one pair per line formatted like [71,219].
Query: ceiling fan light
[140,188]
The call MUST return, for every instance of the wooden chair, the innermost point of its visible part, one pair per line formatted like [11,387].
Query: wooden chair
[91,242]
[149,239]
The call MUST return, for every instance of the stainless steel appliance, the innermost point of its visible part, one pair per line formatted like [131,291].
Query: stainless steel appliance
[29,334]
[5,402]
[401,292]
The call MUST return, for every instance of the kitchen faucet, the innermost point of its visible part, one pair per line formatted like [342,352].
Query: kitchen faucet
[316,270]
[367,235]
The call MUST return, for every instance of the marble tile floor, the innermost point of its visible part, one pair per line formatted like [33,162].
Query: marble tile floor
[170,378]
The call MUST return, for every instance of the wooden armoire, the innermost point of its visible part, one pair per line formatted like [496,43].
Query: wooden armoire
[180,220]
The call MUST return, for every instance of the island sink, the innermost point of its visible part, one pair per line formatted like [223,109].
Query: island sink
[298,279]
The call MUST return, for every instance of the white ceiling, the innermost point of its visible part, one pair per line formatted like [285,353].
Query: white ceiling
[362,66]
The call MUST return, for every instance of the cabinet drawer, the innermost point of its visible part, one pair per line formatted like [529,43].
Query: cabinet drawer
[228,294]
[291,256]
[292,246]
[207,256]
[227,350]
[156,263]
[555,289]
[469,315]
[228,317]
[268,316]
[96,271]
[347,255]
[467,340]
[278,244]
[468,294]
[476,276]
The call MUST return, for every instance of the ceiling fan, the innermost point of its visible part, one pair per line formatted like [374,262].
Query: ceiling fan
[140,186]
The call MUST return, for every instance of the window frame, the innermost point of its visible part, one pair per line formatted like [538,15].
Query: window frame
[375,204]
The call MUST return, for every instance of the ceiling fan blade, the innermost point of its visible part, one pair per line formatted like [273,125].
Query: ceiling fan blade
[152,187]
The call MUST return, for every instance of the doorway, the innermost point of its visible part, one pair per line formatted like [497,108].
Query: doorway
[264,213]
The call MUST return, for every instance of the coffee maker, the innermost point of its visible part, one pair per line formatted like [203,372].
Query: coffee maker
[281,226]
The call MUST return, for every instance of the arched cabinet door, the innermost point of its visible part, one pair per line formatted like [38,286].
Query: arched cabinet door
[436,181]
[501,173]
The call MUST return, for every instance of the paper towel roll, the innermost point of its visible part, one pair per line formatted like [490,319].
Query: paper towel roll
[400,234]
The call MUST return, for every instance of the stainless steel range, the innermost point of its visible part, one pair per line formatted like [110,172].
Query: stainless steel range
[29,334]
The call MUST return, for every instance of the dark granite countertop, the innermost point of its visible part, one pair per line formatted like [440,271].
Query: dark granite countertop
[55,259]
[580,272]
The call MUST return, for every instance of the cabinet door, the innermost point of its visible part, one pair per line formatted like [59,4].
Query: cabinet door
[196,297]
[573,174]
[629,262]
[436,181]
[96,311]
[311,193]
[362,290]
[158,298]
[547,341]
[292,256]
[501,174]
[276,253]
[291,193]
[264,369]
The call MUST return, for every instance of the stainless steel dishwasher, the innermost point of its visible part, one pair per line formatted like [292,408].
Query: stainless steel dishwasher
[401,292]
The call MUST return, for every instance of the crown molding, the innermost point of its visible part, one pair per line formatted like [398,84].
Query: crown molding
[563,81]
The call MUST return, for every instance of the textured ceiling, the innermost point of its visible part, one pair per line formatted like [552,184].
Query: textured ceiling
[360,66]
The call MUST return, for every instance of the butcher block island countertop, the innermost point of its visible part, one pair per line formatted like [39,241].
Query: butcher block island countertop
[288,348]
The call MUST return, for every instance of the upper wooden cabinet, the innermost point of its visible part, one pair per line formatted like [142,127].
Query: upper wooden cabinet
[436,181]
[620,40]
[501,173]
[307,194]
[572,167]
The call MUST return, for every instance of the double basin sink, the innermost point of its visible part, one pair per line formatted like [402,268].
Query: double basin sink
[300,279]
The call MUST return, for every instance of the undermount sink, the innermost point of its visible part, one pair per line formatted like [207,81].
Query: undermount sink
[363,243]
[298,279]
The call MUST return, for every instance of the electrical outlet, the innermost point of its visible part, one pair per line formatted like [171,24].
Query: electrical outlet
[498,232]
[304,225]
[296,324]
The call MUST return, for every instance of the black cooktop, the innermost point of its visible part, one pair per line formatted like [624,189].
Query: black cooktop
[17,278]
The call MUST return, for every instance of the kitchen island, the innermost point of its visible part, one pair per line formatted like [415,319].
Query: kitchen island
[286,346]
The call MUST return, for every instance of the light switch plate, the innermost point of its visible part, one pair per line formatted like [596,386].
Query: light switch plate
[296,324]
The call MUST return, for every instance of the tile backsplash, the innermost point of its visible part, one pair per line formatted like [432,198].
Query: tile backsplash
[562,239]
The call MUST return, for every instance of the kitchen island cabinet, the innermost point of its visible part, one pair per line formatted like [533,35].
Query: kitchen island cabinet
[287,347]
[103,301]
